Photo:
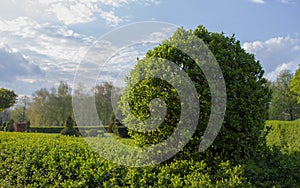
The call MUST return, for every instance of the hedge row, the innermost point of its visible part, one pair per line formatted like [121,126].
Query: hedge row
[284,134]
[43,160]
[48,160]
[122,131]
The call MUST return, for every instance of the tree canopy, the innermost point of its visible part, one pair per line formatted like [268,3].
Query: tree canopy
[284,101]
[51,107]
[295,84]
[7,98]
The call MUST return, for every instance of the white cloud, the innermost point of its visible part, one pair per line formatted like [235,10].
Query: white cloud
[54,48]
[276,54]
[285,66]
[39,31]
[111,18]
[54,42]
[74,13]
[258,1]
[114,3]
[69,12]
[292,2]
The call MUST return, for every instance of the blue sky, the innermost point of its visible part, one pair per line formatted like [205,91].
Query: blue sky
[42,40]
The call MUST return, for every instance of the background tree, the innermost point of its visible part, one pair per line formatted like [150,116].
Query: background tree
[38,107]
[51,107]
[83,98]
[103,102]
[7,98]
[247,97]
[295,84]
[284,102]
[20,111]
[64,99]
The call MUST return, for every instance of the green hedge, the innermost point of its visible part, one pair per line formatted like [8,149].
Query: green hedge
[57,129]
[54,129]
[284,134]
[43,160]
[48,160]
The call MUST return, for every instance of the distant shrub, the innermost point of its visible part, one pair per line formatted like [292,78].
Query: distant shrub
[69,128]
[118,128]
[7,126]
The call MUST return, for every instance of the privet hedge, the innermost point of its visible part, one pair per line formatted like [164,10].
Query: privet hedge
[48,160]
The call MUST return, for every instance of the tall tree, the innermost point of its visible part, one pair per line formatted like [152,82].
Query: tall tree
[51,107]
[103,102]
[295,84]
[37,108]
[284,102]
[64,99]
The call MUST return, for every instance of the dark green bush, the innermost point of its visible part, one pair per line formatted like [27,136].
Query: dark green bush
[123,132]
[3,126]
[49,129]
[118,128]
[273,168]
[247,97]
[69,128]
[8,126]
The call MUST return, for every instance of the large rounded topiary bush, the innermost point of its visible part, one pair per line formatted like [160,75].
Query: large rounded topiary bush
[247,97]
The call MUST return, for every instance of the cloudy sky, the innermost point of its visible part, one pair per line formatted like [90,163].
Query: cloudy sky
[42,41]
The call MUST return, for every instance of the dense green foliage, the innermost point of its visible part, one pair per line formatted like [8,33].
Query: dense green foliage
[295,84]
[284,134]
[42,160]
[52,107]
[247,96]
[117,128]
[103,102]
[7,126]
[69,128]
[7,98]
[284,102]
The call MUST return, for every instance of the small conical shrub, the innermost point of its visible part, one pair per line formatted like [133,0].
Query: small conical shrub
[69,128]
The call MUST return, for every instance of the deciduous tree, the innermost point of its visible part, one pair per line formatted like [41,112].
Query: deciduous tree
[295,84]
[284,102]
